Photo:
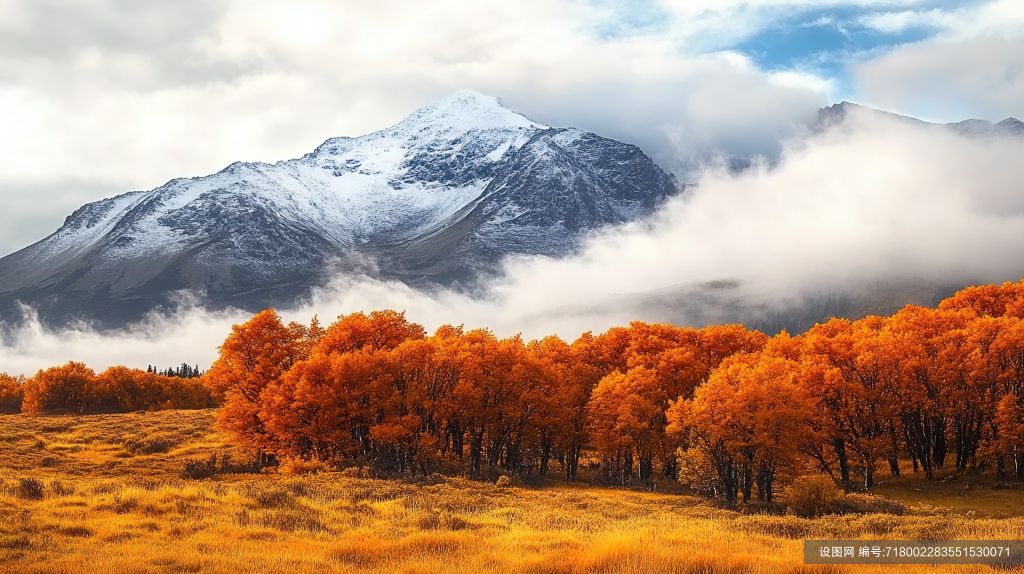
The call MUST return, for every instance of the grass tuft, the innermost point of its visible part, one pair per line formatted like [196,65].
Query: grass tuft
[30,489]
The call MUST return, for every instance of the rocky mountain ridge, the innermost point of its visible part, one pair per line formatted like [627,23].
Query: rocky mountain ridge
[438,199]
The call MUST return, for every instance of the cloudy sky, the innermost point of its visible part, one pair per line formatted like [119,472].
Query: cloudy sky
[98,97]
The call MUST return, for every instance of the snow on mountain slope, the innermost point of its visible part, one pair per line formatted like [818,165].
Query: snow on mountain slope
[440,197]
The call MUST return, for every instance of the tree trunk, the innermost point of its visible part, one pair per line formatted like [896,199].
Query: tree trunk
[645,468]
[747,484]
[572,462]
[940,446]
[839,445]
[545,454]
[766,485]
[476,445]
[671,467]
[894,466]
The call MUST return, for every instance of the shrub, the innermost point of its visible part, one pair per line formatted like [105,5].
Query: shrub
[503,482]
[253,466]
[196,469]
[868,504]
[30,488]
[812,496]
[149,445]
[443,521]
[270,496]
[354,472]
[758,507]
[58,488]
[297,466]
[290,520]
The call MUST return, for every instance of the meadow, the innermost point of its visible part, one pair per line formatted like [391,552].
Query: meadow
[104,493]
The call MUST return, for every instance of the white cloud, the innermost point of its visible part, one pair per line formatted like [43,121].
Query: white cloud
[873,202]
[973,67]
[883,201]
[124,97]
[797,79]
[949,80]
[897,22]
[192,336]
[98,97]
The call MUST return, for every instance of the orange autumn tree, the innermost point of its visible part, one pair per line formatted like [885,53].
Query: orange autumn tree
[928,347]
[120,389]
[256,354]
[379,330]
[64,389]
[667,363]
[574,373]
[339,397]
[374,389]
[748,421]
[626,421]
[1010,442]
[853,413]
[75,389]
[627,407]
[322,407]
[11,394]
[1006,300]
[997,334]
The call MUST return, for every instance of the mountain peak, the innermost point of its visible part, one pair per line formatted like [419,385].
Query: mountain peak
[441,198]
[465,110]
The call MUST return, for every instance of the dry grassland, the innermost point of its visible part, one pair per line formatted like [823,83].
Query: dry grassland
[103,494]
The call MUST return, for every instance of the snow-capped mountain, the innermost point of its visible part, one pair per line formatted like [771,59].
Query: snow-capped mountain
[440,198]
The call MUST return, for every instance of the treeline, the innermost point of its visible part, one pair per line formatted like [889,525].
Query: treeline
[940,387]
[374,388]
[724,409]
[76,389]
[184,371]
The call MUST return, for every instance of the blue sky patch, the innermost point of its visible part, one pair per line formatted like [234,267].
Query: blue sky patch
[821,42]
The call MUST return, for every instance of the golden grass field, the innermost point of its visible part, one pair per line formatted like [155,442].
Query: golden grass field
[107,506]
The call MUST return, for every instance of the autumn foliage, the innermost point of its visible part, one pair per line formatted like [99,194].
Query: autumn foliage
[726,410]
[76,389]
[940,387]
[376,389]
[11,394]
